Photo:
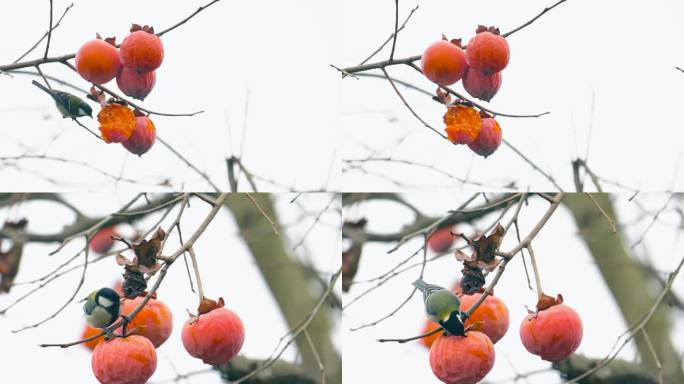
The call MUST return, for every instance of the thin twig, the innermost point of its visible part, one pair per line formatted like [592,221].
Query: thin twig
[531,163]
[533,19]
[200,9]
[188,163]
[200,290]
[508,256]
[321,367]
[396,90]
[316,220]
[535,269]
[44,35]
[386,63]
[160,276]
[629,334]
[396,28]
[73,295]
[56,59]
[263,213]
[296,331]
[401,341]
[610,219]
[390,37]
[92,229]
[49,36]
[653,221]
[655,356]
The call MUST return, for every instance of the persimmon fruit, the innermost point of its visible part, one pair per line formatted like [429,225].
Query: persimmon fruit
[97,61]
[479,85]
[215,337]
[553,333]
[142,50]
[444,63]
[462,359]
[134,84]
[489,138]
[487,52]
[154,321]
[429,327]
[124,360]
[102,241]
[491,317]
[143,137]
[463,124]
[117,123]
[441,240]
[89,331]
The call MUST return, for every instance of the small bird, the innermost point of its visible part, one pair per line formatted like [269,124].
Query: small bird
[68,104]
[102,307]
[442,306]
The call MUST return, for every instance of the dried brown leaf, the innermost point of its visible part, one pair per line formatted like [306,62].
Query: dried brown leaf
[208,305]
[546,301]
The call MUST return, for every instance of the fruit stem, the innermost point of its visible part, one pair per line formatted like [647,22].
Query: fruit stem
[200,290]
[537,279]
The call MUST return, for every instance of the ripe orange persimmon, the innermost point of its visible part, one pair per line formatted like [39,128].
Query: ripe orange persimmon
[490,318]
[479,85]
[102,241]
[463,124]
[429,327]
[444,63]
[143,136]
[97,61]
[154,321]
[117,123]
[487,51]
[215,337]
[129,360]
[134,84]
[489,139]
[441,239]
[142,50]
[462,359]
[553,333]
[89,331]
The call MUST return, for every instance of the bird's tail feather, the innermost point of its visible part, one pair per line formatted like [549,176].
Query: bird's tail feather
[420,284]
[41,86]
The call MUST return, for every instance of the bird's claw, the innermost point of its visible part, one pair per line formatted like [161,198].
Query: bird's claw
[108,333]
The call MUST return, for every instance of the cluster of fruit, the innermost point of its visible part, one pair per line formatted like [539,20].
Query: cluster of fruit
[553,333]
[215,337]
[480,66]
[133,65]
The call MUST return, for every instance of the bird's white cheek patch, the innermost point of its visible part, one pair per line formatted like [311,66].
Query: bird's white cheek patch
[105,302]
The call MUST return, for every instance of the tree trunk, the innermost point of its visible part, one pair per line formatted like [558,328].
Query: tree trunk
[290,284]
[626,279]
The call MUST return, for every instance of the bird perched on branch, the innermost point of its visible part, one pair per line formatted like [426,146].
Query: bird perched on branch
[442,306]
[68,104]
[102,307]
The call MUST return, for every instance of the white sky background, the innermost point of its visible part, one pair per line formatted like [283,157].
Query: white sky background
[620,53]
[277,52]
[227,270]
[565,265]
